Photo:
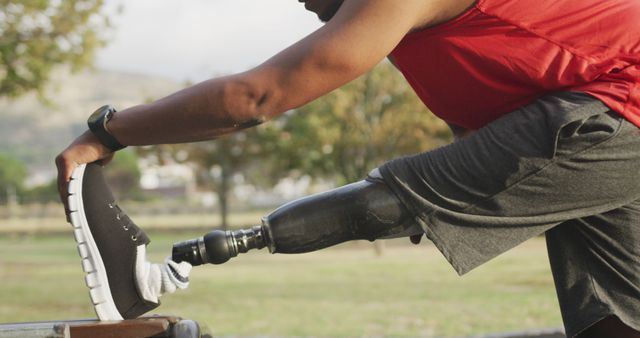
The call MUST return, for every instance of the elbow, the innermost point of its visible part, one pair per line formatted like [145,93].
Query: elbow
[246,103]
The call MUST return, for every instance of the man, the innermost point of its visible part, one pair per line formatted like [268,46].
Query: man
[548,91]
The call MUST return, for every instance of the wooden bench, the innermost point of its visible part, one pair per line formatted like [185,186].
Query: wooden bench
[155,326]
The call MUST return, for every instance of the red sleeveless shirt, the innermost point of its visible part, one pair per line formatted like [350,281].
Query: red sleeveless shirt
[503,54]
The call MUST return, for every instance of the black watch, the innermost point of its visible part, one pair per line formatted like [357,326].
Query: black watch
[98,125]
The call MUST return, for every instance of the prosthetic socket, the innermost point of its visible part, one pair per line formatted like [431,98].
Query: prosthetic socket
[366,209]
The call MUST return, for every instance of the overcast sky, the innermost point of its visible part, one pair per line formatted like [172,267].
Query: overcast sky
[196,39]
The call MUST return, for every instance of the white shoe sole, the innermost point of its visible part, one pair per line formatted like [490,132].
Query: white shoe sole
[96,278]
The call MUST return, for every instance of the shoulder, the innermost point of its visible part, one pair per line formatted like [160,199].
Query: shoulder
[416,14]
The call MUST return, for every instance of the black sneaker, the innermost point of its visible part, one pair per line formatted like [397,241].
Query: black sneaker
[107,243]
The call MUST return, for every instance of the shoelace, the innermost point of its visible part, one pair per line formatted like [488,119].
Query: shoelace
[125,222]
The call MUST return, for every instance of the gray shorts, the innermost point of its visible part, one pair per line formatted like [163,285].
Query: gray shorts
[565,165]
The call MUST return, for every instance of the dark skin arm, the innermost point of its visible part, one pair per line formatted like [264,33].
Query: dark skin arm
[359,36]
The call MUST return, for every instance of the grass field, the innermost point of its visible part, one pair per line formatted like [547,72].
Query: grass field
[343,291]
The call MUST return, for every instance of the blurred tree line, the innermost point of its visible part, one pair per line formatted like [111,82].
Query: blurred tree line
[339,137]
[122,173]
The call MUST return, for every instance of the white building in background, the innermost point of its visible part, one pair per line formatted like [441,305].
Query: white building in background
[170,180]
[175,180]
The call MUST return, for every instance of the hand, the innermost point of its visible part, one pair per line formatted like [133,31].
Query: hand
[85,149]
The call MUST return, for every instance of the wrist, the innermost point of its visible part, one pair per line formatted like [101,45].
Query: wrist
[90,140]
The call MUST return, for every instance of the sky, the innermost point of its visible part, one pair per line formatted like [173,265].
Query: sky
[192,40]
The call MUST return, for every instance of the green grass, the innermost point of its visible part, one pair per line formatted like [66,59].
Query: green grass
[343,291]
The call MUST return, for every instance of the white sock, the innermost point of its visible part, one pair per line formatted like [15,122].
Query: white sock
[154,280]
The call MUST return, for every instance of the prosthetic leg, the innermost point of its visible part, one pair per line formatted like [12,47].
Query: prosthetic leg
[367,209]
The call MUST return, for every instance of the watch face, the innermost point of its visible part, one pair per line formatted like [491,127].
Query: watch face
[102,112]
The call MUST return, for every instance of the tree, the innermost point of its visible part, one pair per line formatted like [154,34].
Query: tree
[217,161]
[123,174]
[37,35]
[44,193]
[358,127]
[12,176]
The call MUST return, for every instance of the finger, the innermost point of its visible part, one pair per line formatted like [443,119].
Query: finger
[62,195]
[415,239]
[65,171]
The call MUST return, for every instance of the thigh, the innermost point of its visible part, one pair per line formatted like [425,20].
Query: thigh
[596,267]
